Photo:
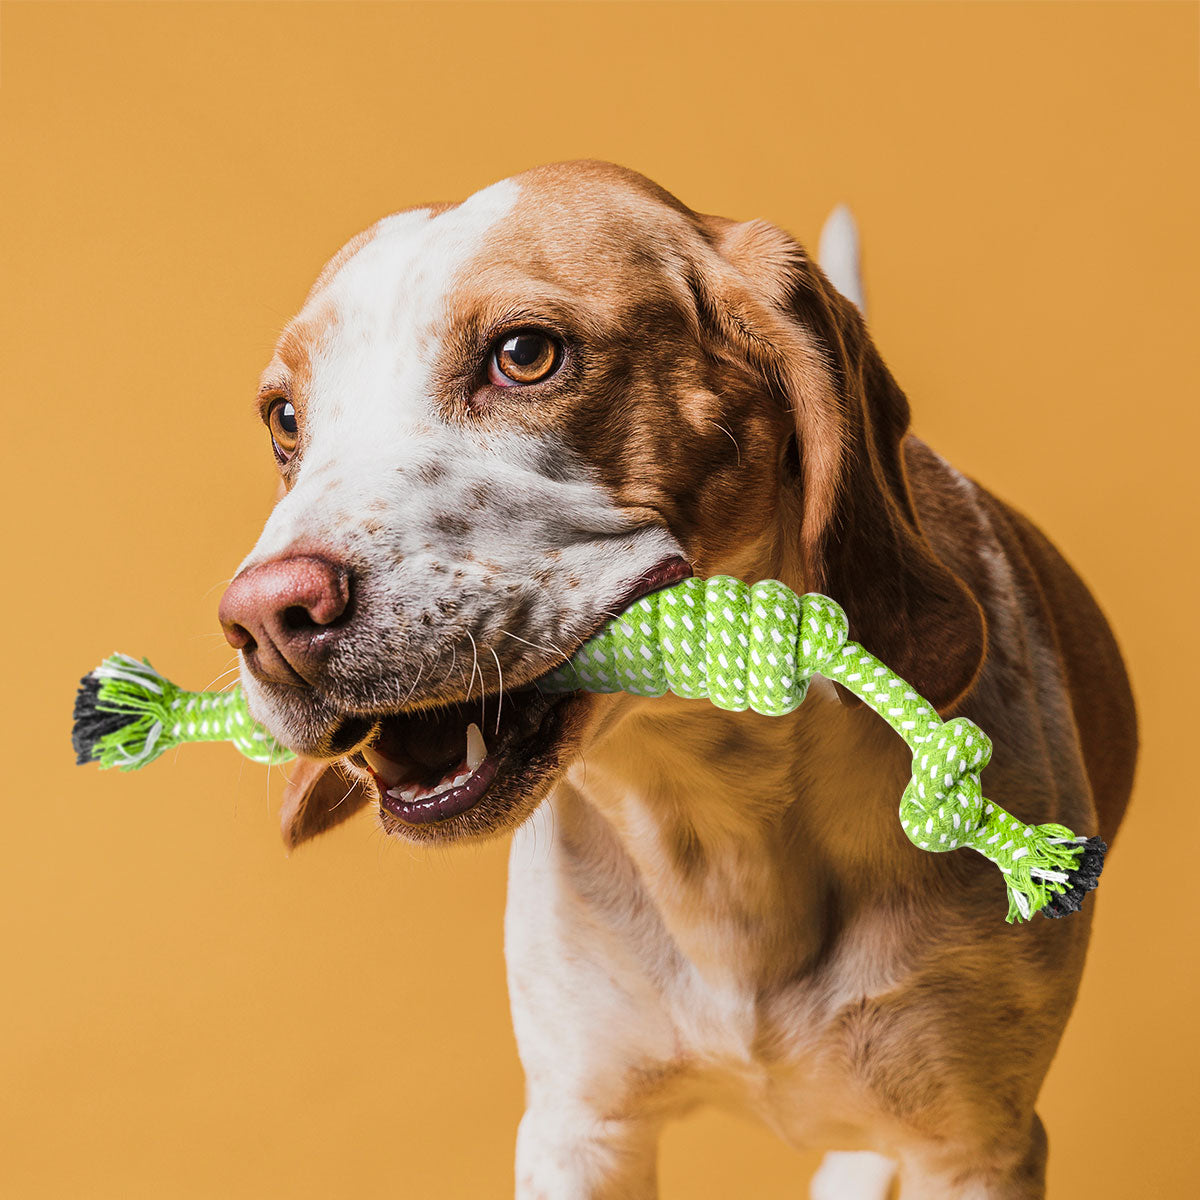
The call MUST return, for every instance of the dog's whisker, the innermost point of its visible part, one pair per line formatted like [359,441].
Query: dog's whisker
[547,650]
[730,437]
[411,690]
[474,664]
[471,686]
[344,798]
[220,675]
[500,688]
[221,583]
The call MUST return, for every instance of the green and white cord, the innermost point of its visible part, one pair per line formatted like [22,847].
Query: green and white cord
[739,646]
[164,716]
[759,646]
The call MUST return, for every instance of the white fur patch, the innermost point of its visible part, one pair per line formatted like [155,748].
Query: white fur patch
[853,1175]
[457,538]
[838,254]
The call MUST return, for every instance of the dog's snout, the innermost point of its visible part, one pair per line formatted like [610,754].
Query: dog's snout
[284,616]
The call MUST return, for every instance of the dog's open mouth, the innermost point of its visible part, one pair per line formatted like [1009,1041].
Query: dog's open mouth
[434,767]
[431,766]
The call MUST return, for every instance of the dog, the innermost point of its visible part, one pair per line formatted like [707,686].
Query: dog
[498,423]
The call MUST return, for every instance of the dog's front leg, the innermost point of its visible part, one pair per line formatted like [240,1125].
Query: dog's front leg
[602,1074]
[568,1151]
[1009,1166]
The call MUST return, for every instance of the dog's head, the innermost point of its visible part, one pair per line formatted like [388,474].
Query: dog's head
[500,422]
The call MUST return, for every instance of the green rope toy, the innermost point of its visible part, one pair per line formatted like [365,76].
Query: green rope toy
[738,646]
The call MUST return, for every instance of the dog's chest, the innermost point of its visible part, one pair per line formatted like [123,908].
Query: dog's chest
[605,1002]
[785,1054]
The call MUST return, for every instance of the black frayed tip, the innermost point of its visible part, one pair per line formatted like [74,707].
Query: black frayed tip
[90,723]
[1084,877]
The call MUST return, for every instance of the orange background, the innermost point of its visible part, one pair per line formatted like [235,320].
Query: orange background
[188,1012]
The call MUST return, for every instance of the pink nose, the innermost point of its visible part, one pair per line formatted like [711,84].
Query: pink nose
[284,615]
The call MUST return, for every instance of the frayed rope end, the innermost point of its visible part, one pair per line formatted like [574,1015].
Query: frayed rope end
[92,723]
[1084,877]
[1047,868]
[121,711]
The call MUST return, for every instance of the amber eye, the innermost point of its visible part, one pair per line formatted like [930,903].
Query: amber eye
[285,432]
[521,358]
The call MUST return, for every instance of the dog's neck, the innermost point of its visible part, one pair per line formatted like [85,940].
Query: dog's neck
[698,802]
[735,824]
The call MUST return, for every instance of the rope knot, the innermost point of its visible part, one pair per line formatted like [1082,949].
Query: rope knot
[824,630]
[948,753]
[942,806]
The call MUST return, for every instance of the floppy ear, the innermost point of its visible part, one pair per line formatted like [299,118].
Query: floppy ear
[860,540]
[317,798]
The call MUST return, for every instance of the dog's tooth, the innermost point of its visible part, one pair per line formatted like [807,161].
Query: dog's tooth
[407,794]
[459,780]
[391,773]
[476,747]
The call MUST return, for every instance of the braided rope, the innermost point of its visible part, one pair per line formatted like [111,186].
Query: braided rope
[758,647]
[741,647]
[164,716]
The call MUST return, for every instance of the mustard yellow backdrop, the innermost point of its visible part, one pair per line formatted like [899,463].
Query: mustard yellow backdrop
[186,1012]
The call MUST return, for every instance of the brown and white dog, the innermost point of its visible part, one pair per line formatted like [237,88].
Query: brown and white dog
[500,421]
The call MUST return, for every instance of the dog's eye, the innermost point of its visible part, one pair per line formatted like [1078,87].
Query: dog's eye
[521,358]
[285,431]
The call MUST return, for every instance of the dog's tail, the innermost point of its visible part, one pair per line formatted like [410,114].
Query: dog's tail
[838,254]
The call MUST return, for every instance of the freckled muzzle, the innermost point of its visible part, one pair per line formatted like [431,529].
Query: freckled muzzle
[437,764]
[487,756]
